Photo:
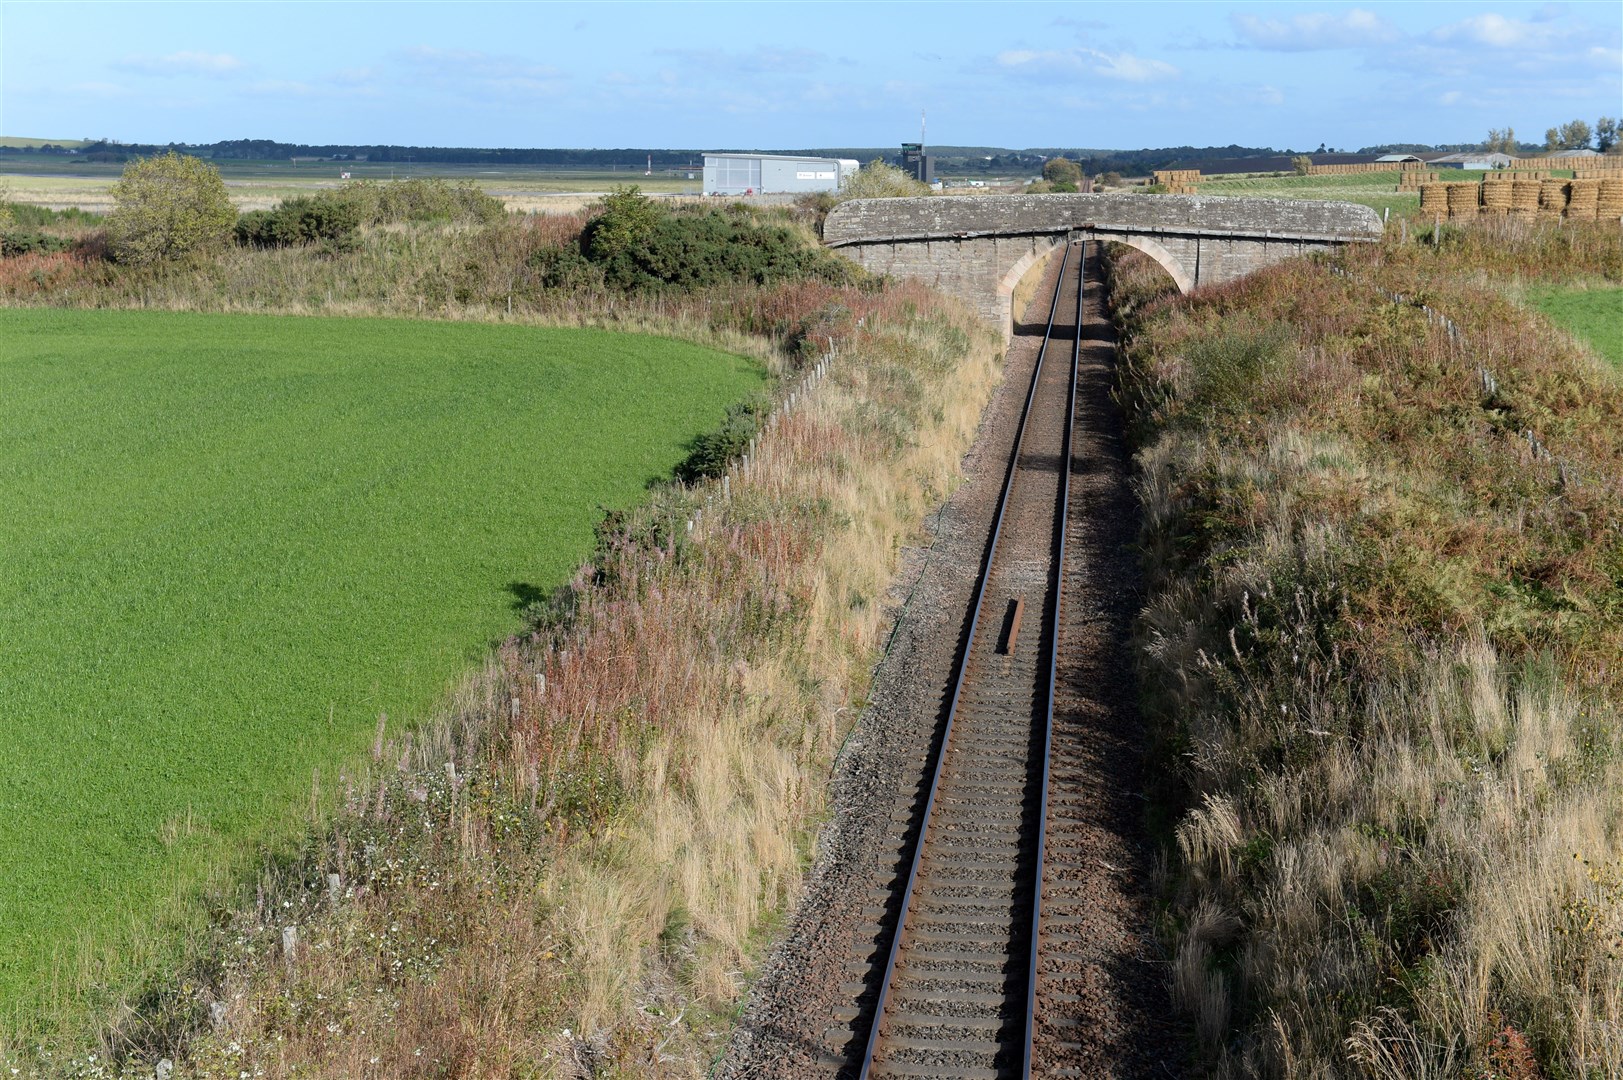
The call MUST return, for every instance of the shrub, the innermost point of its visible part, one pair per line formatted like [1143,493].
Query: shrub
[876,180]
[627,222]
[305,220]
[641,246]
[167,208]
[564,268]
[22,242]
[421,199]
[711,453]
[1060,171]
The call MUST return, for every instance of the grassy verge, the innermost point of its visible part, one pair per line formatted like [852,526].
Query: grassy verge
[234,541]
[1594,315]
[1381,640]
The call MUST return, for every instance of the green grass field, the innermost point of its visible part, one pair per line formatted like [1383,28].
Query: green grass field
[230,542]
[1372,189]
[1596,315]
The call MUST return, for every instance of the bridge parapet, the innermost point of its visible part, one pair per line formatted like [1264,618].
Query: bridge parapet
[978,246]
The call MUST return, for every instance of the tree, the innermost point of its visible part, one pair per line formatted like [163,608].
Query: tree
[1062,174]
[876,180]
[168,207]
[1605,134]
[1575,135]
[627,221]
[1301,163]
[1501,141]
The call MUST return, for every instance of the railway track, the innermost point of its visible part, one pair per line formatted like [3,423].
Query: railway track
[961,929]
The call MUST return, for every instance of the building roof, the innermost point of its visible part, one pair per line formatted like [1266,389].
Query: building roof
[1492,158]
[1397,157]
[1572,153]
[771,157]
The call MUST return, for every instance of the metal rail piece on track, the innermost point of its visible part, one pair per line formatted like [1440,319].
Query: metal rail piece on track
[936,765]
[1053,670]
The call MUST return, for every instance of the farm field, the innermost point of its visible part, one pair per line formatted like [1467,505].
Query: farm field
[1371,189]
[61,182]
[1595,315]
[231,542]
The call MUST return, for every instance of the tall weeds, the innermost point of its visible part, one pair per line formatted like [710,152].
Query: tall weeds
[1382,637]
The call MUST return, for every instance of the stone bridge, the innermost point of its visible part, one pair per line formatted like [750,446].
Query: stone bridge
[978,247]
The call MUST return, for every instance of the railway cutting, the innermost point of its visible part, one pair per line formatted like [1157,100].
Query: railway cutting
[987,919]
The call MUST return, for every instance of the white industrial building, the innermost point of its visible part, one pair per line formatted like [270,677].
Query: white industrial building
[766,174]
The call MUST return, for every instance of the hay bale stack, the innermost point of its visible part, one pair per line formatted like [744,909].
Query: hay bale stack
[1433,199]
[1552,196]
[1609,200]
[1464,200]
[1524,196]
[1496,194]
[1583,202]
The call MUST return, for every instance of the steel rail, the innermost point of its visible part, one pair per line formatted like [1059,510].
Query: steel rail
[958,682]
[1053,669]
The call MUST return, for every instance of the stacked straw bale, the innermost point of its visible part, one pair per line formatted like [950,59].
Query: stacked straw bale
[1359,167]
[1609,200]
[1524,196]
[1583,204]
[1434,199]
[1412,179]
[1552,196]
[1496,196]
[1174,177]
[1464,200]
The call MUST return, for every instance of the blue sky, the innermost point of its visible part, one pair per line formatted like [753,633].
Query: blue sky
[768,75]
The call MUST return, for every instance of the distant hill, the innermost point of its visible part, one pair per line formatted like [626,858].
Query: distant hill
[18,142]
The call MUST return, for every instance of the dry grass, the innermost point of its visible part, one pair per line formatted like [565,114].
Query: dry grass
[574,871]
[1382,640]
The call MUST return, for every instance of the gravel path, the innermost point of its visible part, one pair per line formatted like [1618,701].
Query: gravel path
[806,1016]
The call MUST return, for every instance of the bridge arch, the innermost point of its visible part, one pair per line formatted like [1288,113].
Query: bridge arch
[1169,262]
[1017,272]
[978,247]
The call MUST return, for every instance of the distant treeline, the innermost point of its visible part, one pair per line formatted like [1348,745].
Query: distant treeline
[956,160]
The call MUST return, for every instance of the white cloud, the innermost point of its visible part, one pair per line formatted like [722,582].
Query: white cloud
[1494,31]
[762,60]
[1314,30]
[184,63]
[1124,67]
[1130,68]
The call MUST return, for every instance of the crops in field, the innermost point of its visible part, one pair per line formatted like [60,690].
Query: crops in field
[1595,315]
[1372,189]
[232,542]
